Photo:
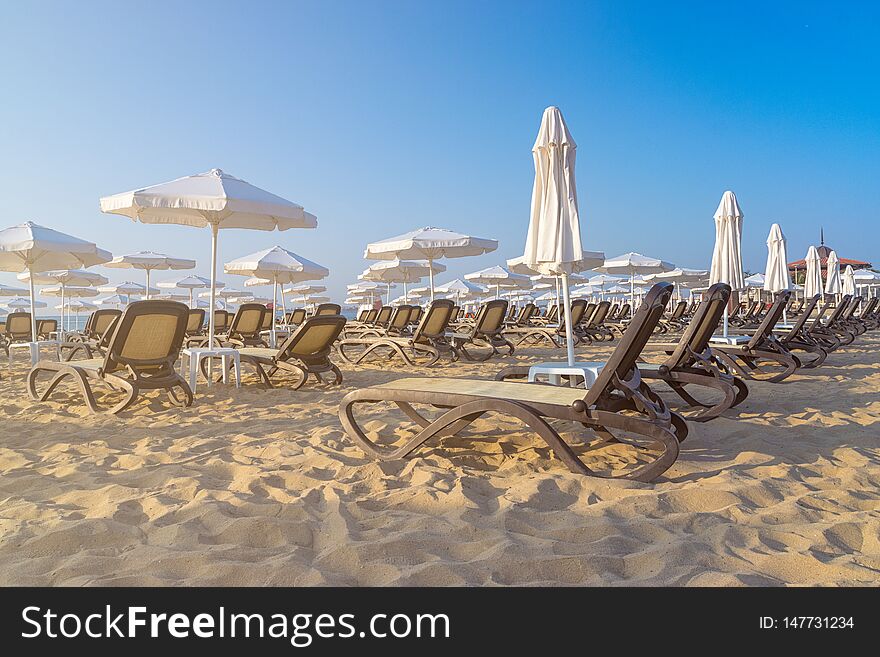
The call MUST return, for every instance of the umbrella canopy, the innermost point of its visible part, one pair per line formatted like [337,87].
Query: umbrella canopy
[65,277]
[306,289]
[190,283]
[77,306]
[22,303]
[33,248]
[866,277]
[401,271]
[461,289]
[848,281]
[429,244]
[776,276]
[149,261]
[813,279]
[215,199]
[127,288]
[588,260]
[277,266]
[631,264]
[680,275]
[755,280]
[499,277]
[832,274]
[9,291]
[72,292]
[113,300]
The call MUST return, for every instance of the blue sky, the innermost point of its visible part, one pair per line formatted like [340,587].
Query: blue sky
[382,116]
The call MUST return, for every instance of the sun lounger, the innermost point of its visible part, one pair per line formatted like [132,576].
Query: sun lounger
[95,335]
[552,335]
[328,309]
[422,349]
[485,333]
[141,355]
[617,407]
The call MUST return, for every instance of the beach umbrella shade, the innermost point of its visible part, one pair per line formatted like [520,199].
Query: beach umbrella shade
[301,291]
[401,271]
[214,199]
[813,275]
[32,248]
[680,277]
[848,281]
[191,283]
[498,277]
[460,288]
[776,275]
[277,266]
[726,256]
[127,289]
[832,274]
[755,280]
[429,244]
[115,300]
[23,303]
[148,261]
[9,291]
[65,278]
[630,264]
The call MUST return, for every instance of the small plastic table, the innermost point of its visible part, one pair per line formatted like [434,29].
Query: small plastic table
[554,371]
[730,339]
[34,348]
[194,356]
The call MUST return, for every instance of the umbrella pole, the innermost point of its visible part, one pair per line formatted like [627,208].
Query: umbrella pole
[148,284]
[274,297]
[569,333]
[63,325]
[33,305]
[431,277]
[214,230]
[404,292]
[632,287]
[190,297]
[283,305]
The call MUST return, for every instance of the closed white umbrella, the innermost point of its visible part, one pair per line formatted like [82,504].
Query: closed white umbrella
[278,266]
[813,276]
[148,261]
[776,275]
[190,283]
[213,199]
[726,256]
[848,281]
[832,274]
[429,244]
[33,248]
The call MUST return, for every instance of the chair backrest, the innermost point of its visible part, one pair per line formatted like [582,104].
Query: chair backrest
[833,317]
[595,320]
[525,314]
[589,309]
[435,321]
[851,307]
[511,313]
[622,361]
[195,320]
[147,335]
[415,314]
[268,316]
[552,313]
[248,320]
[702,326]
[625,311]
[579,308]
[679,309]
[491,316]
[456,311]
[18,326]
[101,321]
[296,316]
[869,309]
[803,317]
[328,309]
[772,316]
[46,326]
[221,320]
[313,339]
[400,318]
[362,315]
[382,316]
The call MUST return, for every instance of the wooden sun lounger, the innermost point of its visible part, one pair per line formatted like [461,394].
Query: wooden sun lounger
[424,348]
[619,401]
[141,355]
[764,348]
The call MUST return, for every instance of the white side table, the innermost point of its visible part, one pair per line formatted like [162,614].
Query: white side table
[194,356]
[34,348]
[554,371]
[730,339]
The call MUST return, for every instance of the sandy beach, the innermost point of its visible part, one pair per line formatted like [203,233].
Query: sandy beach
[262,487]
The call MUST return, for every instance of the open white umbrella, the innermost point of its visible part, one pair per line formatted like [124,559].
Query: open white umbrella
[213,199]
[726,257]
[22,303]
[848,281]
[114,300]
[63,291]
[9,291]
[429,244]
[127,289]
[301,291]
[33,248]
[76,306]
[813,275]
[680,277]
[190,283]
[832,274]
[631,264]
[401,271]
[460,289]
[498,277]
[148,261]
[66,278]
[278,266]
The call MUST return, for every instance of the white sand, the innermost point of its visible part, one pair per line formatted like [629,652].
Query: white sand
[257,486]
